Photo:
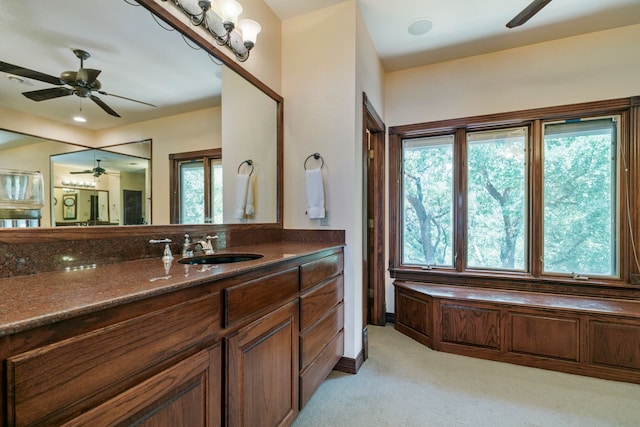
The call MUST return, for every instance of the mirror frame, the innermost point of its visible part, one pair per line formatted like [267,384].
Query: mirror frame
[53,234]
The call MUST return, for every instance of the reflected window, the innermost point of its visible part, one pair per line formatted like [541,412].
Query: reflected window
[196,183]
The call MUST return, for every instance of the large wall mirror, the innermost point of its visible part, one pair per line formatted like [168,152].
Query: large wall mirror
[159,94]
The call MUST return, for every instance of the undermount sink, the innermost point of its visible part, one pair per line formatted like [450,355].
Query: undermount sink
[220,258]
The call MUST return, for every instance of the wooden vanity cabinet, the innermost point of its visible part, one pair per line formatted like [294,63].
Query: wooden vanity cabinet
[321,321]
[158,357]
[262,371]
[240,351]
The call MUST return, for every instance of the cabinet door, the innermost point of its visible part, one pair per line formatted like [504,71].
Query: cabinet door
[262,371]
[187,394]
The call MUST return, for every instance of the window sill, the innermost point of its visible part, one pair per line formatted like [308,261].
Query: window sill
[519,281]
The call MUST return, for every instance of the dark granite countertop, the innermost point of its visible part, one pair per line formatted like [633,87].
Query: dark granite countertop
[40,299]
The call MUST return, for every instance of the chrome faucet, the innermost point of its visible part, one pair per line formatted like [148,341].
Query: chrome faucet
[187,250]
[207,246]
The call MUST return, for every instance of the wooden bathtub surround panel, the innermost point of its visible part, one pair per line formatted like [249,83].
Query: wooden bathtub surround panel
[184,393]
[317,271]
[413,316]
[469,325]
[615,344]
[315,303]
[251,298]
[262,371]
[599,338]
[554,337]
[62,378]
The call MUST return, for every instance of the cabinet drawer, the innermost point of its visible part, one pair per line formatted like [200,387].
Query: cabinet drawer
[317,271]
[316,338]
[47,384]
[187,394]
[318,370]
[248,299]
[314,304]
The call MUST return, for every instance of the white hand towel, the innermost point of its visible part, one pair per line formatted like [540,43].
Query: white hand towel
[315,194]
[250,209]
[242,186]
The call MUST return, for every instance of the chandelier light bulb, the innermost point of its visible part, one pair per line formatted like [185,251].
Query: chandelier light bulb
[230,10]
[250,30]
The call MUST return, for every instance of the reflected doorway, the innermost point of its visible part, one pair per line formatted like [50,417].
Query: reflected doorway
[132,207]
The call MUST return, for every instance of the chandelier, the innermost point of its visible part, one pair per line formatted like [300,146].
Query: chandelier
[220,18]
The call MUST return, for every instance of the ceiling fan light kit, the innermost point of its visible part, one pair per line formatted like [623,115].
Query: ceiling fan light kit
[220,19]
[82,83]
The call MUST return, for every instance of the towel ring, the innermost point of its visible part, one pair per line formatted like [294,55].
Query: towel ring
[248,162]
[316,156]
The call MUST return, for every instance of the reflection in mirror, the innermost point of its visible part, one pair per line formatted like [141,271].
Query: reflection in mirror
[112,188]
[130,49]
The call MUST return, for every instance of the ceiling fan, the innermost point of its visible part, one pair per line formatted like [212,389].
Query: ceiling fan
[527,13]
[97,171]
[81,83]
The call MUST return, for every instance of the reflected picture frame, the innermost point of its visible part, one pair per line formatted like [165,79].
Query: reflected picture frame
[70,206]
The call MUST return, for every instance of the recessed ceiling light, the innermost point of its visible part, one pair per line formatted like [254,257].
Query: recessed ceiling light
[420,26]
[80,119]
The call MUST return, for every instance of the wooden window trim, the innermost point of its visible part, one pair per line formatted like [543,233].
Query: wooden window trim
[627,286]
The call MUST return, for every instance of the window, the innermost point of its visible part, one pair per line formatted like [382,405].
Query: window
[191,192]
[196,181]
[496,199]
[428,201]
[523,199]
[580,197]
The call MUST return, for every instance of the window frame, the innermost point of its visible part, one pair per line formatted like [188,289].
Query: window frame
[628,109]
[175,159]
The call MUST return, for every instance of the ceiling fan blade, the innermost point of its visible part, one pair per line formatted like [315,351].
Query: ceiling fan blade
[527,13]
[30,74]
[44,94]
[77,172]
[101,92]
[104,106]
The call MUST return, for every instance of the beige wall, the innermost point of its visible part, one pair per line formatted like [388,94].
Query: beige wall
[590,67]
[585,68]
[328,61]
[198,130]
[36,126]
[249,132]
[318,75]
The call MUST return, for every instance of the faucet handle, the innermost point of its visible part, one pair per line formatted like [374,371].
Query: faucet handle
[167,255]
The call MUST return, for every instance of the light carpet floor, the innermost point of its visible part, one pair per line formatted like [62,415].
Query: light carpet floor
[404,383]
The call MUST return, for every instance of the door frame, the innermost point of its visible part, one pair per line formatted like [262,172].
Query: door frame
[373,140]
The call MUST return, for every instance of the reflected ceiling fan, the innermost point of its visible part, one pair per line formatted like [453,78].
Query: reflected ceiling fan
[97,171]
[82,83]
[527,13]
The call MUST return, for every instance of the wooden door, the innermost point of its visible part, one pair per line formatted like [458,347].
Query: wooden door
[374,306]
[132,207]
[262,371]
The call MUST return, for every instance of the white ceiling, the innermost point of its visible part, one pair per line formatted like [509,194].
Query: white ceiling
[140,60]
[464,28]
